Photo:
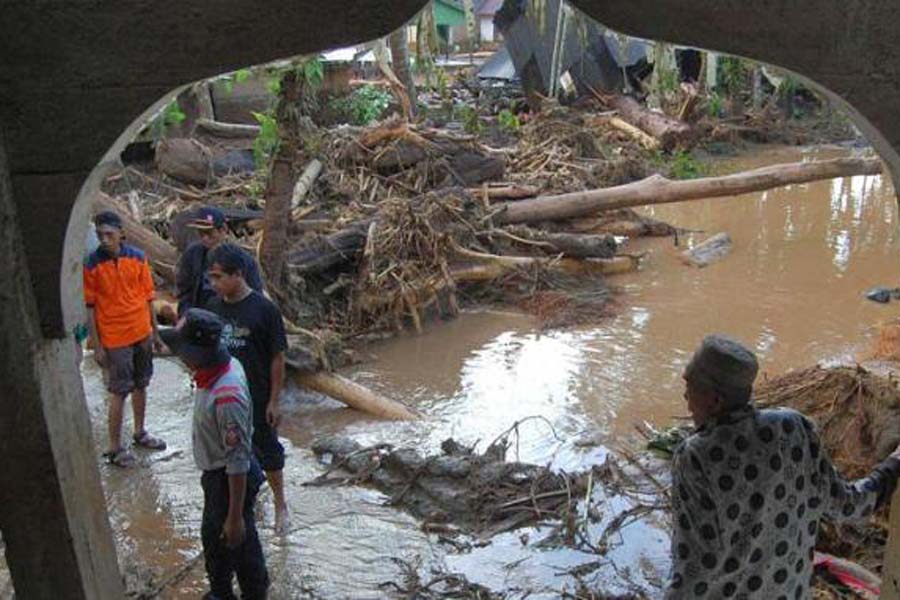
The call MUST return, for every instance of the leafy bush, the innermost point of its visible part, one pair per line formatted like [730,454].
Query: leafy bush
[364,105]
[683,165]
[508,121]
[471,120]
[266,142]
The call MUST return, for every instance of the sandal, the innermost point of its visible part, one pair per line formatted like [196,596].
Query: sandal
[120,458]
[145,440]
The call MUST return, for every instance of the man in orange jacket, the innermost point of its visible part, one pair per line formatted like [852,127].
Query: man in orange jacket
[118,291]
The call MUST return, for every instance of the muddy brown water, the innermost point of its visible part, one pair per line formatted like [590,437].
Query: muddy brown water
[792,289]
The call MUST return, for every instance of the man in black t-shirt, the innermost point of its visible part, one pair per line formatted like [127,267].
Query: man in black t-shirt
[254,334]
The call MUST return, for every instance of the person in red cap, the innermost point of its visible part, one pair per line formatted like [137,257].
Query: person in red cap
[222,429]
[192,285]
[118,292]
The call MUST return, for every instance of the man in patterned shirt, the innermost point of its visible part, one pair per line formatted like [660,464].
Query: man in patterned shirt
[749,487]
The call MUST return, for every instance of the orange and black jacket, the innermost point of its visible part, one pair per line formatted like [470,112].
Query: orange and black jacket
[119,289]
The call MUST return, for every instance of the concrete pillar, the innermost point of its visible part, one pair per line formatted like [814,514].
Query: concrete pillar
[54,520]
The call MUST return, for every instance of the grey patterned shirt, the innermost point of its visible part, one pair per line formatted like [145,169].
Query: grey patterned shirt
[748,491]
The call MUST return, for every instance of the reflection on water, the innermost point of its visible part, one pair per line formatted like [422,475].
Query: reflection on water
[792,289]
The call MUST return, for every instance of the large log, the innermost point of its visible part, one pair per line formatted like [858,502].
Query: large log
[570,266]
[228,130]
[330,251]
[162,255]
[659,190]
[670,132]
[569,244]
[353,395]
[185,160]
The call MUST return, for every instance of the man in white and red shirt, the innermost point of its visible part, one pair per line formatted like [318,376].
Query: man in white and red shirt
[222,430]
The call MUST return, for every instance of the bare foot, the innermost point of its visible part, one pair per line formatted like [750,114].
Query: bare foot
[282,520]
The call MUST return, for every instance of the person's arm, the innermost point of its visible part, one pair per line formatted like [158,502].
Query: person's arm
[695,530]
[94,337]
[276,385]
[184,282]
[277,347]
[149,291]
[233,419]
[844,500]
[233,530]
[90,298]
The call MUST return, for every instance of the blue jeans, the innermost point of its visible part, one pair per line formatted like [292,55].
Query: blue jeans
[247,560]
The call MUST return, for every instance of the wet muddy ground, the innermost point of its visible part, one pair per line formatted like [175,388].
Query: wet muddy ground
[792,289]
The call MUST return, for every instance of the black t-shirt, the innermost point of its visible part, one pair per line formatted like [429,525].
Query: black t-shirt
[254,334]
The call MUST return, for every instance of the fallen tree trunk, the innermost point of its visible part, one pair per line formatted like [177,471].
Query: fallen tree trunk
[670,132]
[570,244]
[162,255]
[354,395]
[643,138]
[659,190]
[228,130]
[184,159]
[570,266]
[329,251]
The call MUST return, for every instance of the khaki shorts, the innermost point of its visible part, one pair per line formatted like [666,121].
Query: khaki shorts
[128,368]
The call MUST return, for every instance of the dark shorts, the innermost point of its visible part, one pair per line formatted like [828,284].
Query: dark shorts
[269,451]
[129,368]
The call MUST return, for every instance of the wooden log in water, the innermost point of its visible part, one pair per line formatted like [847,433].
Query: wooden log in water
[709,251]
[660,190]
[354,395]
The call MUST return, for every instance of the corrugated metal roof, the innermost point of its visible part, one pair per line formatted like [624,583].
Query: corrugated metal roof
[499,66]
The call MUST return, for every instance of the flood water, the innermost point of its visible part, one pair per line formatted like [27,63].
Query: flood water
[792,289]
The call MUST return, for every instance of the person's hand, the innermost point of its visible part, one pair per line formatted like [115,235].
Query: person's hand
[896,453]
[100,355]
[233,532]
[273,414]
[159,347]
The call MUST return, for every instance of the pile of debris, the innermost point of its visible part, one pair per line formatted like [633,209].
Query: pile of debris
[457,490]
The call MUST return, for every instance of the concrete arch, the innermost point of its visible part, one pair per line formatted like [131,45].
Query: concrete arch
[75,75]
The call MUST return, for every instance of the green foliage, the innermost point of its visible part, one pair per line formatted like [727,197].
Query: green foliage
[239,76]
[313,72]
[715,105]
[171,116]
[364,105]
[266,143]
[508,121]
[471,120]
[683,165]
[735,74]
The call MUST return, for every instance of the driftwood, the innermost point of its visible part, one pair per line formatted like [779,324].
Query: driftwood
[227,130]
[644,139]
[505,191]
[570,266]
[569,244]
[330,251]
[707,252]
[305,182]
[670,132]
[161,254]
[353,395]
[659,190]
[185,160]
